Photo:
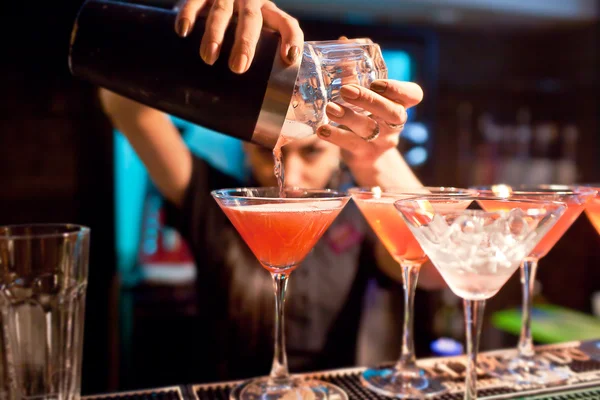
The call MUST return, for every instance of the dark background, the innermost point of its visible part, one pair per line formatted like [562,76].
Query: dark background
[56,146]
[56,158]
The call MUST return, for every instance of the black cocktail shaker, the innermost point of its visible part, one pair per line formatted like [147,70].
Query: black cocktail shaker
[134,51]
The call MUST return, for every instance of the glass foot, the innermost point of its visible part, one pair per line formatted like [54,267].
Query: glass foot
[528,372]
[410,385]
[295,389]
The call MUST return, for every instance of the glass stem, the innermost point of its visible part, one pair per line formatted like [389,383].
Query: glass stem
[279,371]
[473,319]
[407,361]
[528,270]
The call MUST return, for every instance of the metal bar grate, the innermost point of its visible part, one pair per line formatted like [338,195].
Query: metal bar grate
[581,358]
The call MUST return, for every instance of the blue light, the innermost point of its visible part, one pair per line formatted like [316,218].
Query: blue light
[398,64]
[415,132]
[150,247]
[446,347]
[416,156]
[354,18]
[131,181]
[223,152]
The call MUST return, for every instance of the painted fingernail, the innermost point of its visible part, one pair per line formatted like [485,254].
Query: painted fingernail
[183,27]
[293,54]
[324,131]
[350,92]
[239,63]
[379,86]
[210,53]
[336,110]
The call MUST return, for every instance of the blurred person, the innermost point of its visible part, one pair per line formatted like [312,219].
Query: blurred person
[235,294]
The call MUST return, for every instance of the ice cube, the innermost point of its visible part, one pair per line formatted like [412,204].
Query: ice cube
[467,226]
[516,222]
[437,230]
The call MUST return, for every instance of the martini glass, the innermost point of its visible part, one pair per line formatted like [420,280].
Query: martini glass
[404,379]
[476,251]
[526,369]
[281,231]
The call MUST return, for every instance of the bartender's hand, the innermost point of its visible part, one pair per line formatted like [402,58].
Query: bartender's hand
[252,14]
[368,136]
[369,142]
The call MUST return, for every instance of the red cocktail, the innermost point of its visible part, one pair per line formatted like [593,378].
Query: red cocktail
[281,231]
[281,234]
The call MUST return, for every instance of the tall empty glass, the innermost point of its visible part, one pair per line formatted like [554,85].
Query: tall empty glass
[43,279]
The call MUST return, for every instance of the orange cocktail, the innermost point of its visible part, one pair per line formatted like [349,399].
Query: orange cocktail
[391,229]
[593,210]
[526,369]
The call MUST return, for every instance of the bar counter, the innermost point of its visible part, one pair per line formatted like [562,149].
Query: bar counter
[582,357]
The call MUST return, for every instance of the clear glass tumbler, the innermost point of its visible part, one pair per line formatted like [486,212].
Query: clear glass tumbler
[43,279]
[325,67]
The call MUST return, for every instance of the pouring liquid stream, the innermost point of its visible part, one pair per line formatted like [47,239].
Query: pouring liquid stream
[279,166]
[292,130]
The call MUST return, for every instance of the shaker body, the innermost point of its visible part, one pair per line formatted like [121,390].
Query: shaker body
[134,51]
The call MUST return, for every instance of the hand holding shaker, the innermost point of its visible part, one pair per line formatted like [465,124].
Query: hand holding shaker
[43,280]
[134,51]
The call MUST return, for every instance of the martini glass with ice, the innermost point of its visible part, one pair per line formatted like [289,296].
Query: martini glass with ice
[281,231]
[476,251]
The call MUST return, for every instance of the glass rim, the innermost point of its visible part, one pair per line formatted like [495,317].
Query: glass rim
[69,231]
[226,194]
[406,191]
[403,203]
[591,186]
[538,190]
[361,41]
